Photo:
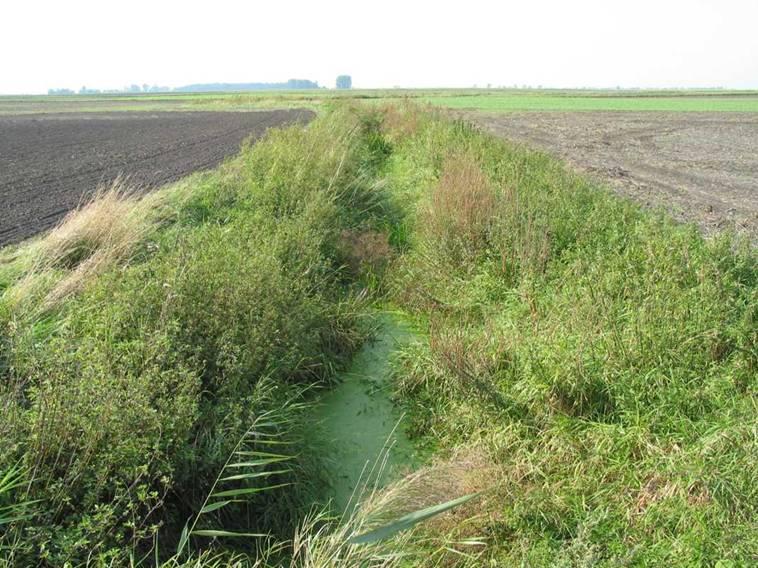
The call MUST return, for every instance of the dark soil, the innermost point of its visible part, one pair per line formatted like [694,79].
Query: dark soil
[50,163]
[700,167]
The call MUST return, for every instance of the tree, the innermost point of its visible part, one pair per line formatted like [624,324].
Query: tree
[344,82]
[301,84]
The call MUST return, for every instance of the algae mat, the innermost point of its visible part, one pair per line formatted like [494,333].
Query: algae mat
[359,422]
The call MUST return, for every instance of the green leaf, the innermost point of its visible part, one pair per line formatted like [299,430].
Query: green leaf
[253,475]
[257,463]
[213,506]
[408,521]
[248,490]
[215,533]
[250,453]
[17,518]
[274,442]
[182,540]
[12,479]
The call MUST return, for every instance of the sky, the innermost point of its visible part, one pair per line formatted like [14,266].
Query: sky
[408,43]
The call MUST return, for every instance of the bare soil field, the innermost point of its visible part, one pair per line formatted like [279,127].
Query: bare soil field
[49,163]
[700,167]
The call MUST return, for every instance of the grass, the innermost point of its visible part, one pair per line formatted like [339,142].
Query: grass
[587,367]
[90,239]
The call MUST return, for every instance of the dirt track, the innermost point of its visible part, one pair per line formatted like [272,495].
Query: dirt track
[49,163]
[701,167]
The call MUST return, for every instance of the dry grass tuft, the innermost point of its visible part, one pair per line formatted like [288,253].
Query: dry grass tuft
[95,236]
[365,250]
[461,209]
[657,489]
[468,470]
[105,227]
[459,533]
[452,535]
[402,120]
[318,544]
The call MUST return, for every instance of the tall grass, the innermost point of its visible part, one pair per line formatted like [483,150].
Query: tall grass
[15,507]
[100,234]
[380,527]
[460,210]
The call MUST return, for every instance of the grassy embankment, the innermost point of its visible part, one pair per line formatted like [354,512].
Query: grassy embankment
[143,340]
[597,361]
[589,366]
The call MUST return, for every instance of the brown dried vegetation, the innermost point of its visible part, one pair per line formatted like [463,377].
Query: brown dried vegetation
[461,208]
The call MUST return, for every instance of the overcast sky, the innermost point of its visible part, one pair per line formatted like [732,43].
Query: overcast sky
[385,43]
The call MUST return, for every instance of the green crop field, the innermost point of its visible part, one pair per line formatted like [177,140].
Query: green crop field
[497,102]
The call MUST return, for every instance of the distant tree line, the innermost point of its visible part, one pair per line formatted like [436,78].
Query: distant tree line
[291,84]
[195,88]
[130,89]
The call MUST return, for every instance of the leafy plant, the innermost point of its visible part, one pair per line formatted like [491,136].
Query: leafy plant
[245,473]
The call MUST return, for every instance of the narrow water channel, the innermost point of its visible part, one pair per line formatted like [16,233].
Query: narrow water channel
[358,419]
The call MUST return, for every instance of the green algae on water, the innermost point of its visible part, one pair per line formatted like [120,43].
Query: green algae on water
[358,420]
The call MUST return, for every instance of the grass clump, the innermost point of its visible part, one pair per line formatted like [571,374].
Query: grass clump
[106,227]
[461,207]
[96,236]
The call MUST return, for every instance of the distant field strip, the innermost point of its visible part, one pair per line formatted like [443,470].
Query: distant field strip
[484,99]
[515,102]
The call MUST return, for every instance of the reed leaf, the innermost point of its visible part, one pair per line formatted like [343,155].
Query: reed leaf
[218,533]
[254,475]
[408,521]
[248,490]
[214,506]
